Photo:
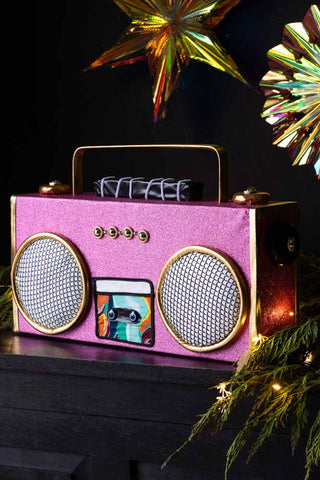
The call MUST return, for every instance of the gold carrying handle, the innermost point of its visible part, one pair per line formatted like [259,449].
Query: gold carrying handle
[77,163]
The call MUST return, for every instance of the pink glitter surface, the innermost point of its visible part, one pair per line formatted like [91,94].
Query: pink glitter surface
[171,226]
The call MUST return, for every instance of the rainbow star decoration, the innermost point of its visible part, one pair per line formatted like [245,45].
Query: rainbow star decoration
[168,34]
[292,88]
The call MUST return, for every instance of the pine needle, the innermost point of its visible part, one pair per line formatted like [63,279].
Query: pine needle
[281,361]
[6,317]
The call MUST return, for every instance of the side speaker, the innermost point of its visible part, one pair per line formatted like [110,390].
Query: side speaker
[50,283]
[202,298]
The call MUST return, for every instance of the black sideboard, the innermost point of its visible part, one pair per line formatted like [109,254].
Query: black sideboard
[86,412]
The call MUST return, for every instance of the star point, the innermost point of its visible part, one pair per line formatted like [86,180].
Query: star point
[170,33]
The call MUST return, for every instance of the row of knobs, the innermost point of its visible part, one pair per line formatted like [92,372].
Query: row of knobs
[127,232]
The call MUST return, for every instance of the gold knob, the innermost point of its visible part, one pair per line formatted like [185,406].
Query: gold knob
[54,188]
[291,244]
[113,232]
[250,196]
[143,236]
[98,232]
[128,233]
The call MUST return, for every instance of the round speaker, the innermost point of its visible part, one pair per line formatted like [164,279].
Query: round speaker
[50,283]
[202,298]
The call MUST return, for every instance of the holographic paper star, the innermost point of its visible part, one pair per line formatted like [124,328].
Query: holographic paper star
[292,88]
[168,33]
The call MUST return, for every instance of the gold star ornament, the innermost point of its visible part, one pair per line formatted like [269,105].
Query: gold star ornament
[168,33]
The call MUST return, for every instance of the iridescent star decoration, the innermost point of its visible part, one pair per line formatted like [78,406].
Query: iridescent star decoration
[168,33]
[292,88]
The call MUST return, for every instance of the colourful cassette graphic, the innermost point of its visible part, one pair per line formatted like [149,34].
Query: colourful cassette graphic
[124,310]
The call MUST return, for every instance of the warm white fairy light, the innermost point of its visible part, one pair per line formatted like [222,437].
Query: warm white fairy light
[308,358]
[258,339]
[276,386]
[224,393]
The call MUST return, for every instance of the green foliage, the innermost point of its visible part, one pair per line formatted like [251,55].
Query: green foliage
[272,409]
[5,299]
[290,359]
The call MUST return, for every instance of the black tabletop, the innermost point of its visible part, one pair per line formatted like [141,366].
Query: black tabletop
[92,409]
[75,358]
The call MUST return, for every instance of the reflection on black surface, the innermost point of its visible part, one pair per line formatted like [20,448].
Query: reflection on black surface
[57,348]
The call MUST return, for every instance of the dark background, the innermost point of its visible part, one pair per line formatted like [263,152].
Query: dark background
[53,106]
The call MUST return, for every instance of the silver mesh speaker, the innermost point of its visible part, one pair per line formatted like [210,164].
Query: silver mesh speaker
[201,298]
[49,283]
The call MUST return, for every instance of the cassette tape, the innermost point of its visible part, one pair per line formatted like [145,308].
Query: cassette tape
[124,310]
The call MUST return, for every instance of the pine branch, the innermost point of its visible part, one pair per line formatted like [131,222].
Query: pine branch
[313,447]
[289,361]
[6,317]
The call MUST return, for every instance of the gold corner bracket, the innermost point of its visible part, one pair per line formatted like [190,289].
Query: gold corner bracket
[254,317]
[13,203]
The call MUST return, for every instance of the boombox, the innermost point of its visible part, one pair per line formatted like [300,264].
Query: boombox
[150,271]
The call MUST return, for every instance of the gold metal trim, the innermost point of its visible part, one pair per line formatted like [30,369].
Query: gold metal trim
[252,198]
[13,202]
[77,163]
[237,276]
[254,317]
[127,233]
[143,236]
[98,232]
[297,291]
[84,277]
[113,232]
[54,188]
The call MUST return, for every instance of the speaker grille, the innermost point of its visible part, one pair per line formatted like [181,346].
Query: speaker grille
[200,297]
[49,283]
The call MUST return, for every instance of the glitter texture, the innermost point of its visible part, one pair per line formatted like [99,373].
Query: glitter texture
[171,226]
[292,88]
[227,228]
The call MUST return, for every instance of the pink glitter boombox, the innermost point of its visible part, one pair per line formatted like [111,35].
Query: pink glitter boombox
[192,278]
